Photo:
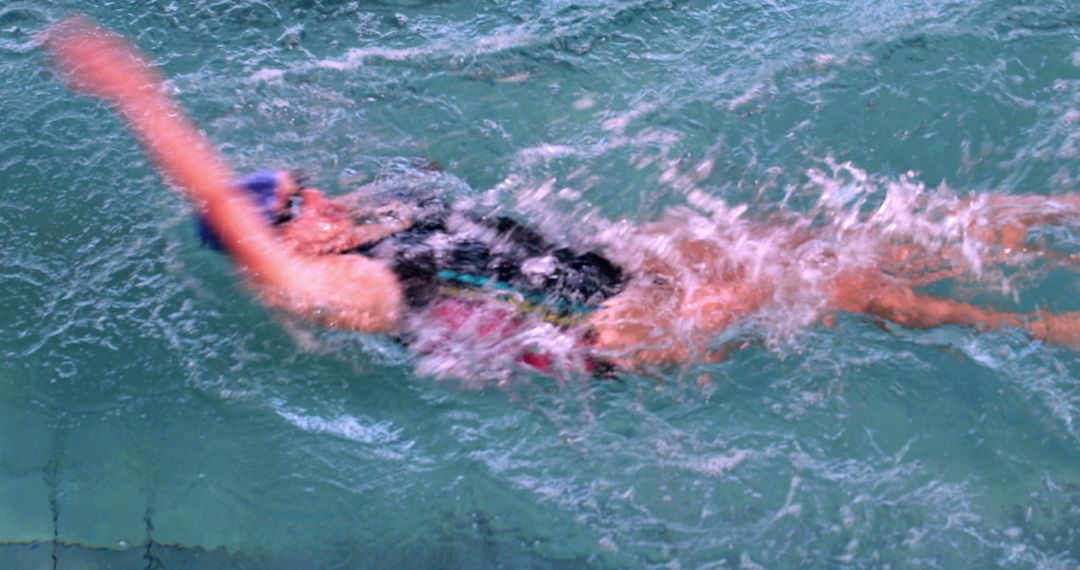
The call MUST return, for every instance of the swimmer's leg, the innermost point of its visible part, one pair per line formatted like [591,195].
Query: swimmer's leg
[1062,329]
[872,293]
[902,305]
[657,322]
[638,328]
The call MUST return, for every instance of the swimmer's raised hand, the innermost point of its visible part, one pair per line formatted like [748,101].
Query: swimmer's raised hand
[97,62]
[350,292]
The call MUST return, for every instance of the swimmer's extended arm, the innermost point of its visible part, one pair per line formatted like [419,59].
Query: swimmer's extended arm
[349,292]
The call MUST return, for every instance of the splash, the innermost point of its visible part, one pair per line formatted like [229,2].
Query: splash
[851,220]
[499,41]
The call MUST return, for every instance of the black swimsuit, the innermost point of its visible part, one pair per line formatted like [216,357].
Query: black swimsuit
[447,253]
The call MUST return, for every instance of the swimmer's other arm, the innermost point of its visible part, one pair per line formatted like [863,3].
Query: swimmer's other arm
[351,292]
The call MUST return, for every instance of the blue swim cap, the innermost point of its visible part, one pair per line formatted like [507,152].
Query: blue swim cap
[261,186]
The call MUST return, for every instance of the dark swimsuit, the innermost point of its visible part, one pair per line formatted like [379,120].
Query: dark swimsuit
[455,256]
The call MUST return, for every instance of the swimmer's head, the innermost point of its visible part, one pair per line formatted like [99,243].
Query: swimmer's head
[276,194]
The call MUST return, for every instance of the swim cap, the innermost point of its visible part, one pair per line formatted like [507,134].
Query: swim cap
[261,186]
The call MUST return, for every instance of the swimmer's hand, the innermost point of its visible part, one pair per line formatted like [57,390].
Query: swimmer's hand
[98,62]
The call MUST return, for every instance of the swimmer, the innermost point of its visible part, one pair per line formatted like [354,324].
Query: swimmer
[363,271]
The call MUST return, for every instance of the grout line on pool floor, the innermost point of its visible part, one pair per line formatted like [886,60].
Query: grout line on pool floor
[52,476]
[152,562]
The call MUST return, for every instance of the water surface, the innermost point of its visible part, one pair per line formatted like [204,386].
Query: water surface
[146,400]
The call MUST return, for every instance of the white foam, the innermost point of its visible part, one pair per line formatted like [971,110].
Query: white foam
[717,465]
[584,102]
[344,426]
[756,91]
[498,41]
[267,75]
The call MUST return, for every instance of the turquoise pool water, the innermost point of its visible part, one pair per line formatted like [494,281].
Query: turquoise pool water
[146,400]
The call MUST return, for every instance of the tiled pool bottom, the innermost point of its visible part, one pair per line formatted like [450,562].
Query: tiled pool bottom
[472,547]
[154,556]
[52,555]
[85,496]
